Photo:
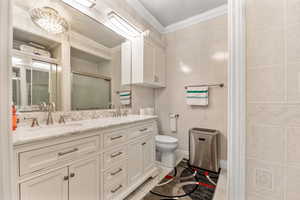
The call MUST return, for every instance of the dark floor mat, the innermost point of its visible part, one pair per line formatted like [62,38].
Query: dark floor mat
[186,184]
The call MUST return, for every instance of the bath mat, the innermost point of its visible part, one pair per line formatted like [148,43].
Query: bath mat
[185,183]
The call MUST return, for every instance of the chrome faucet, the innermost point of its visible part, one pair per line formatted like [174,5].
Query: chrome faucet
[62,119]
[43,107]
[35,121]
[50,109]
[119,112]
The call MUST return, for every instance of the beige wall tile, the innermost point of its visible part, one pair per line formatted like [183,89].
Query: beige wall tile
[260,14]
[293,82]
[265,47]
[293,10]
[274,114]
[293,147]
[265,179]
[195,55]
[293,43]
[293,183]
[142,97]
[265,84]
[266,143]
[273,29]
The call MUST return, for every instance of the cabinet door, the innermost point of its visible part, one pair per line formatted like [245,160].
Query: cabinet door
[126,57]
[51,186]
[160,66]
[148,154]
[149,62]
[84,180]
[135,161]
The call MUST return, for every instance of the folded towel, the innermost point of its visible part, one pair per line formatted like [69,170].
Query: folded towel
[197,96]
[125,97]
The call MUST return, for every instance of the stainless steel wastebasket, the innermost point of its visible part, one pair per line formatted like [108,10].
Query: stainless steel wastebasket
[203,149]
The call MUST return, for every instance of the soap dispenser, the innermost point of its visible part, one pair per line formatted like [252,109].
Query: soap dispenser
[14,118]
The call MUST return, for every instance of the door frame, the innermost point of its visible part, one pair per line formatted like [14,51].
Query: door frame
[6,164]
[236,187]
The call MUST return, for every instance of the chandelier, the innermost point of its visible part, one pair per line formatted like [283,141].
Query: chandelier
[49,20]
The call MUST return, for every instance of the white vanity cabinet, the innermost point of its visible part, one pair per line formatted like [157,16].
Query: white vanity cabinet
[50,186]
[140,158]
[76,182]
[105,164]
[147,61]
[84,180]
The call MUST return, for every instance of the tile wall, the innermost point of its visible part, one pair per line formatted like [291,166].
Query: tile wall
[273,99]
[195,55]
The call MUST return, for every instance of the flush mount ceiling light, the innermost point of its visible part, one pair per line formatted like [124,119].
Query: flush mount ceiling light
[122,26]
[49,20]
[87,3]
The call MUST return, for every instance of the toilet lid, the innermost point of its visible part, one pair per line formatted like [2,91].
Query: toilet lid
[165,139]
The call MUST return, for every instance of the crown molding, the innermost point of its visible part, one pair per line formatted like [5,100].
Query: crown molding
[144,13]
[148,17]
[210,14]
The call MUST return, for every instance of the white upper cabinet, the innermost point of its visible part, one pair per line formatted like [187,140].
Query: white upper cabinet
[147,61]
[126,56]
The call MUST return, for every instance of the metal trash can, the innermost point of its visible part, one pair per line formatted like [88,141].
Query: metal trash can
[203,149]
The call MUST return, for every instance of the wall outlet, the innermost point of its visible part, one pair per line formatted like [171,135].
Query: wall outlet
[264,179]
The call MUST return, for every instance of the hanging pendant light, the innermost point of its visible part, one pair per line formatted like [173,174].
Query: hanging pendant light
[49,20]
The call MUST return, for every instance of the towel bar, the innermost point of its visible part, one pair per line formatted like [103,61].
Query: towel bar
[118,92]
[208,85]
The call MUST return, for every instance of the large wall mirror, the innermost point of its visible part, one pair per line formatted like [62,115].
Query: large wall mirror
[78,69]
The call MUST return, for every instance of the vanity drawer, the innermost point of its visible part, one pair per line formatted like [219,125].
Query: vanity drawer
[114,138]
[115,189]
[115,155]
[38,159]
[141,130]
[116,172]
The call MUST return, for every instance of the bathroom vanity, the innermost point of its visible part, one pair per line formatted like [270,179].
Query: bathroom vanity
[94,159]
[86,68]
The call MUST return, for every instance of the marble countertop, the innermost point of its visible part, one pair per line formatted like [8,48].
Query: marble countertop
[26,135]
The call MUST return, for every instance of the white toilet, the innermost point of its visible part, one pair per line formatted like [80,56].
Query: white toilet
[166,147]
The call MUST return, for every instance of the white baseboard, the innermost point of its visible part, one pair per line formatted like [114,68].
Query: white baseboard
[185,154]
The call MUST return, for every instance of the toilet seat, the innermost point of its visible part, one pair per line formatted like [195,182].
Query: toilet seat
[165,139]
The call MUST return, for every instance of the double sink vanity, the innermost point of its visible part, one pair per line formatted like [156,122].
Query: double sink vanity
[105,158]
[86,71]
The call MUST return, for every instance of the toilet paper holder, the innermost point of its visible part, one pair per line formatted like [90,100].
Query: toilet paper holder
[173,122]
[174,115]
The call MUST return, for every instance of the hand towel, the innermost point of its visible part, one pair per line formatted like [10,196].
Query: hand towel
[197,96]
[125,97]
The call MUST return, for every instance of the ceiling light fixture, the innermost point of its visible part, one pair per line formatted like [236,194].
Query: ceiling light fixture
[87,3]
[122,26]
[49,20]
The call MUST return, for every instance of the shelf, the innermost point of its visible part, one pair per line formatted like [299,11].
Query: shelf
[16,52]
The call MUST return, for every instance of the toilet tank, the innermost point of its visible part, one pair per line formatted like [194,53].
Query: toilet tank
[203,149]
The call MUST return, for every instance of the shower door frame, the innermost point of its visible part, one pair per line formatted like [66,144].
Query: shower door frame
[236,187]
[6,147]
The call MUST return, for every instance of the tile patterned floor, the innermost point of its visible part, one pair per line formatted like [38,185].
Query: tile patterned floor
[142,193]
[184,185]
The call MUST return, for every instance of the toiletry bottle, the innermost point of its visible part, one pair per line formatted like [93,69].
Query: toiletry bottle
[14,118]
